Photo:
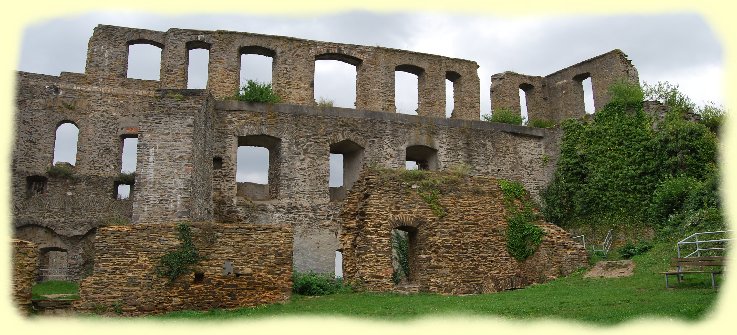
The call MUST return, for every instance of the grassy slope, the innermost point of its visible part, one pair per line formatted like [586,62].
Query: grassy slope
[55,287]
[600,301]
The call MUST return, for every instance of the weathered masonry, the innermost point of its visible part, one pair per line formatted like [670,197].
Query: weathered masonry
[187,143]
[560,95]
[293,67]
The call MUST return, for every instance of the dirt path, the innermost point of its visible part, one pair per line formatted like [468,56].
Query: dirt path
[611,269]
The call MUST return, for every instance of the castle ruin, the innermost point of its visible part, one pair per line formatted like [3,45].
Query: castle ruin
[187,144]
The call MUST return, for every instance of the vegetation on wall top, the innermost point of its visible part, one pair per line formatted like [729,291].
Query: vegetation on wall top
[255,91]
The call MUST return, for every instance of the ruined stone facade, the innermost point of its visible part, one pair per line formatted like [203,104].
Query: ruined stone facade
[560,95]
[188,139]
[462,252]
[244,265]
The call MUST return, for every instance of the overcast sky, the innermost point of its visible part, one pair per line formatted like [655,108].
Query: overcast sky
[680,48]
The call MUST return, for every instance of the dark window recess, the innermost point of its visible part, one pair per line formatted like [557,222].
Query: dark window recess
[217,163]
[199,277]
[35,185]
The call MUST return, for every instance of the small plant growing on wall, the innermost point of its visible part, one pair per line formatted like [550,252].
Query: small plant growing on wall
[126,178]
[61,170]
[255,91]
[178,262]
[503,115]
[322,102]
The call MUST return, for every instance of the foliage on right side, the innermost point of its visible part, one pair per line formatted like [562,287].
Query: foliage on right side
[618,166]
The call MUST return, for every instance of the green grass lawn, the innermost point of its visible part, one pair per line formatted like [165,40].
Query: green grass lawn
[599,301]
[53,287]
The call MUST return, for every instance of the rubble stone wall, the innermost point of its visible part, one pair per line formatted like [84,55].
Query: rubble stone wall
[463,252]
[125,278]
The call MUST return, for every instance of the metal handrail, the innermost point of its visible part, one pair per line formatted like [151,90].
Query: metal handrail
[606,244]
[583,239]
[698,242]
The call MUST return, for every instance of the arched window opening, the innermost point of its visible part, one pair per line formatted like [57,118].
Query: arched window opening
[346,159]
[144,59]
[65,145]
[338,263]
[257,64]
[451,79]
[335,80]
[588,91]
[424,157]
[198,59]
[257,166]
[524,90]
[406,88]
[403,240]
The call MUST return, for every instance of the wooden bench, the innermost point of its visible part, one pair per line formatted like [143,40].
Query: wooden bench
[710,264]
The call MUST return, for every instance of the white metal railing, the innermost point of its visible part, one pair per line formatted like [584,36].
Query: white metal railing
[709,242]
[604,245]
[583,239]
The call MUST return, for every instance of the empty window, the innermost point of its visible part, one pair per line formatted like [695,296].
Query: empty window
[588,91]
[451,78]
[336,170]
[144,59]
[122,191]
[257,166]
[198,59]
[424,157]
[54,264]
[335,80]
[524,90]
[128,156]
[35,185]
[346,159]
[338,264]
[65,145]
[406,88]
[256,64]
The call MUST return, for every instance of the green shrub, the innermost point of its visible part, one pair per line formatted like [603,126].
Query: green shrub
[626,94]
[712,116]
[512,189]
[540,123]
[503,115]
[176,263]
[630,249]
[669,198]
[255,91]
[316,284]
[61,170]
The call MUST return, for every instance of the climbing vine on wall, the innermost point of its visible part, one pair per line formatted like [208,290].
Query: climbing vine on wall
[611,166]
[523,237]
[178,262]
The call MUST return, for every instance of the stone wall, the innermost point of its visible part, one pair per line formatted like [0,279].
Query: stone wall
[25,267]
[559,95]
[293,67]
[306,136]
[463,252]
[125,279]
